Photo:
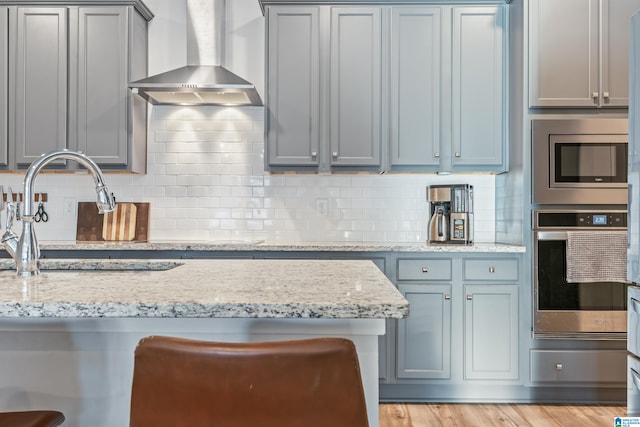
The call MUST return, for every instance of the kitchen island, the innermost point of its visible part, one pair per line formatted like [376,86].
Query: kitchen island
[70,333]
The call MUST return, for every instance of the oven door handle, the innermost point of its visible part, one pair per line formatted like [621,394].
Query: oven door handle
[551,235]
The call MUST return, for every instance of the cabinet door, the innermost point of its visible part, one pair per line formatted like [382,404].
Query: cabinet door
[415,84]
[355,86]
[478,93]
[424,338]
[40,82]
[101,92]
[563,53]
[4,86]
[491,332]
[616,16]
[293,86]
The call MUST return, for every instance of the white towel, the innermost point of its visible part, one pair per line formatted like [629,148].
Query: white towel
[596,256]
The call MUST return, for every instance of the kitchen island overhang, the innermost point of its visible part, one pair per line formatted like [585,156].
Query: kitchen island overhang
[69,336]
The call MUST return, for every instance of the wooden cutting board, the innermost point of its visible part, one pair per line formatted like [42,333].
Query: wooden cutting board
[91,226]
[121,223]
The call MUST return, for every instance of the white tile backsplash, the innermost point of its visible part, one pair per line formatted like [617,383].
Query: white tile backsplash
[205,182]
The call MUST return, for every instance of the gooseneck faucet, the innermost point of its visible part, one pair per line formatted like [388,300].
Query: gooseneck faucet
[25,250]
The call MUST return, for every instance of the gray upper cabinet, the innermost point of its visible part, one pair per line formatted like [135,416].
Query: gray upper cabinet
[39,78]
[324,82]
[69,70]
[293,86]
[379,87]
[416,85]
[478,89]
[4,85]
[447,88]
[579,52]
[101,91]
[355,86]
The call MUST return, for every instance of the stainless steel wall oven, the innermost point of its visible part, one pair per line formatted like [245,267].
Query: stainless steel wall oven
[582,308]
[579,161]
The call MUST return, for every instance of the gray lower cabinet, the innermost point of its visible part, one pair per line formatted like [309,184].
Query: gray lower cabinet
[463,325]
[579,52]
[491,332]
[424,338]
[69,69]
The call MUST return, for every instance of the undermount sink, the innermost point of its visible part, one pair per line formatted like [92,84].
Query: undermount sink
[98,265]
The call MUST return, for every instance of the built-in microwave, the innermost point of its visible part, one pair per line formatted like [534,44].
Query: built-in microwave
[579,161]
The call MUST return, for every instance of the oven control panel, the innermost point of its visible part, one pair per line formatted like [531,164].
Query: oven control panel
[580,219]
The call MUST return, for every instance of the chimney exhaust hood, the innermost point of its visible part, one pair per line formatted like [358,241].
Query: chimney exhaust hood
[203,81]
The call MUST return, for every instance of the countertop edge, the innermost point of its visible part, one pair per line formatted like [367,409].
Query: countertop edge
[282,247]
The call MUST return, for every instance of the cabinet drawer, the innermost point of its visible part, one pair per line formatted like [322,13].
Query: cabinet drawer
[424,269]
[491,269]
[578,366]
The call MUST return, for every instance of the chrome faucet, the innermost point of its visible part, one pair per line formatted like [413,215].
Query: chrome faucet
[25,250]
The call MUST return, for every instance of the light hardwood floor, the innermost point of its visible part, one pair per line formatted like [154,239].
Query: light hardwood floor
[491,415]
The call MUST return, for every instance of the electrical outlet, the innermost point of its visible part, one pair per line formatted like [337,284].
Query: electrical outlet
[322,206]
[69,206]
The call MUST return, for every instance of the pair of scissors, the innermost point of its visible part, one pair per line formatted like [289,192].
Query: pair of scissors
[41,215]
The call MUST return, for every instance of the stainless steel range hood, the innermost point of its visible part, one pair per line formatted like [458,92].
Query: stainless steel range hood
[203,81]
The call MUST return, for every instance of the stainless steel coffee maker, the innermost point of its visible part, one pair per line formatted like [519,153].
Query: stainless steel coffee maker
[450,213]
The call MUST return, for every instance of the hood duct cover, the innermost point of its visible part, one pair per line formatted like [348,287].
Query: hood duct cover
[202,81]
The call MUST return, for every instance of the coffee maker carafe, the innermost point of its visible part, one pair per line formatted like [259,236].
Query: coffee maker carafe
[451,214]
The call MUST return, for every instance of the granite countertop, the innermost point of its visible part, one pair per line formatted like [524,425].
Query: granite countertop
[202,288]
[285,246]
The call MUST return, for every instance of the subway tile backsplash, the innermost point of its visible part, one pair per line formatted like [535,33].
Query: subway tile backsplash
[206,182]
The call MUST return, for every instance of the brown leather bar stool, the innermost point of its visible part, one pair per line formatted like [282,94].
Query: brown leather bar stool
[31,419]
[312,383]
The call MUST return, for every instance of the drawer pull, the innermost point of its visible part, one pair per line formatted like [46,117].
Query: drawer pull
[425,270]
[559,366]
[492,270]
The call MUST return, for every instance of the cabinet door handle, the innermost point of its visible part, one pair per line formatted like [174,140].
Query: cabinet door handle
[605,95]
[595,96]
[457,154]
[335,154]
[314,154]
[469,297]
[436,154]
[425,270]
[492,270]
[447,296]
[636,378]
